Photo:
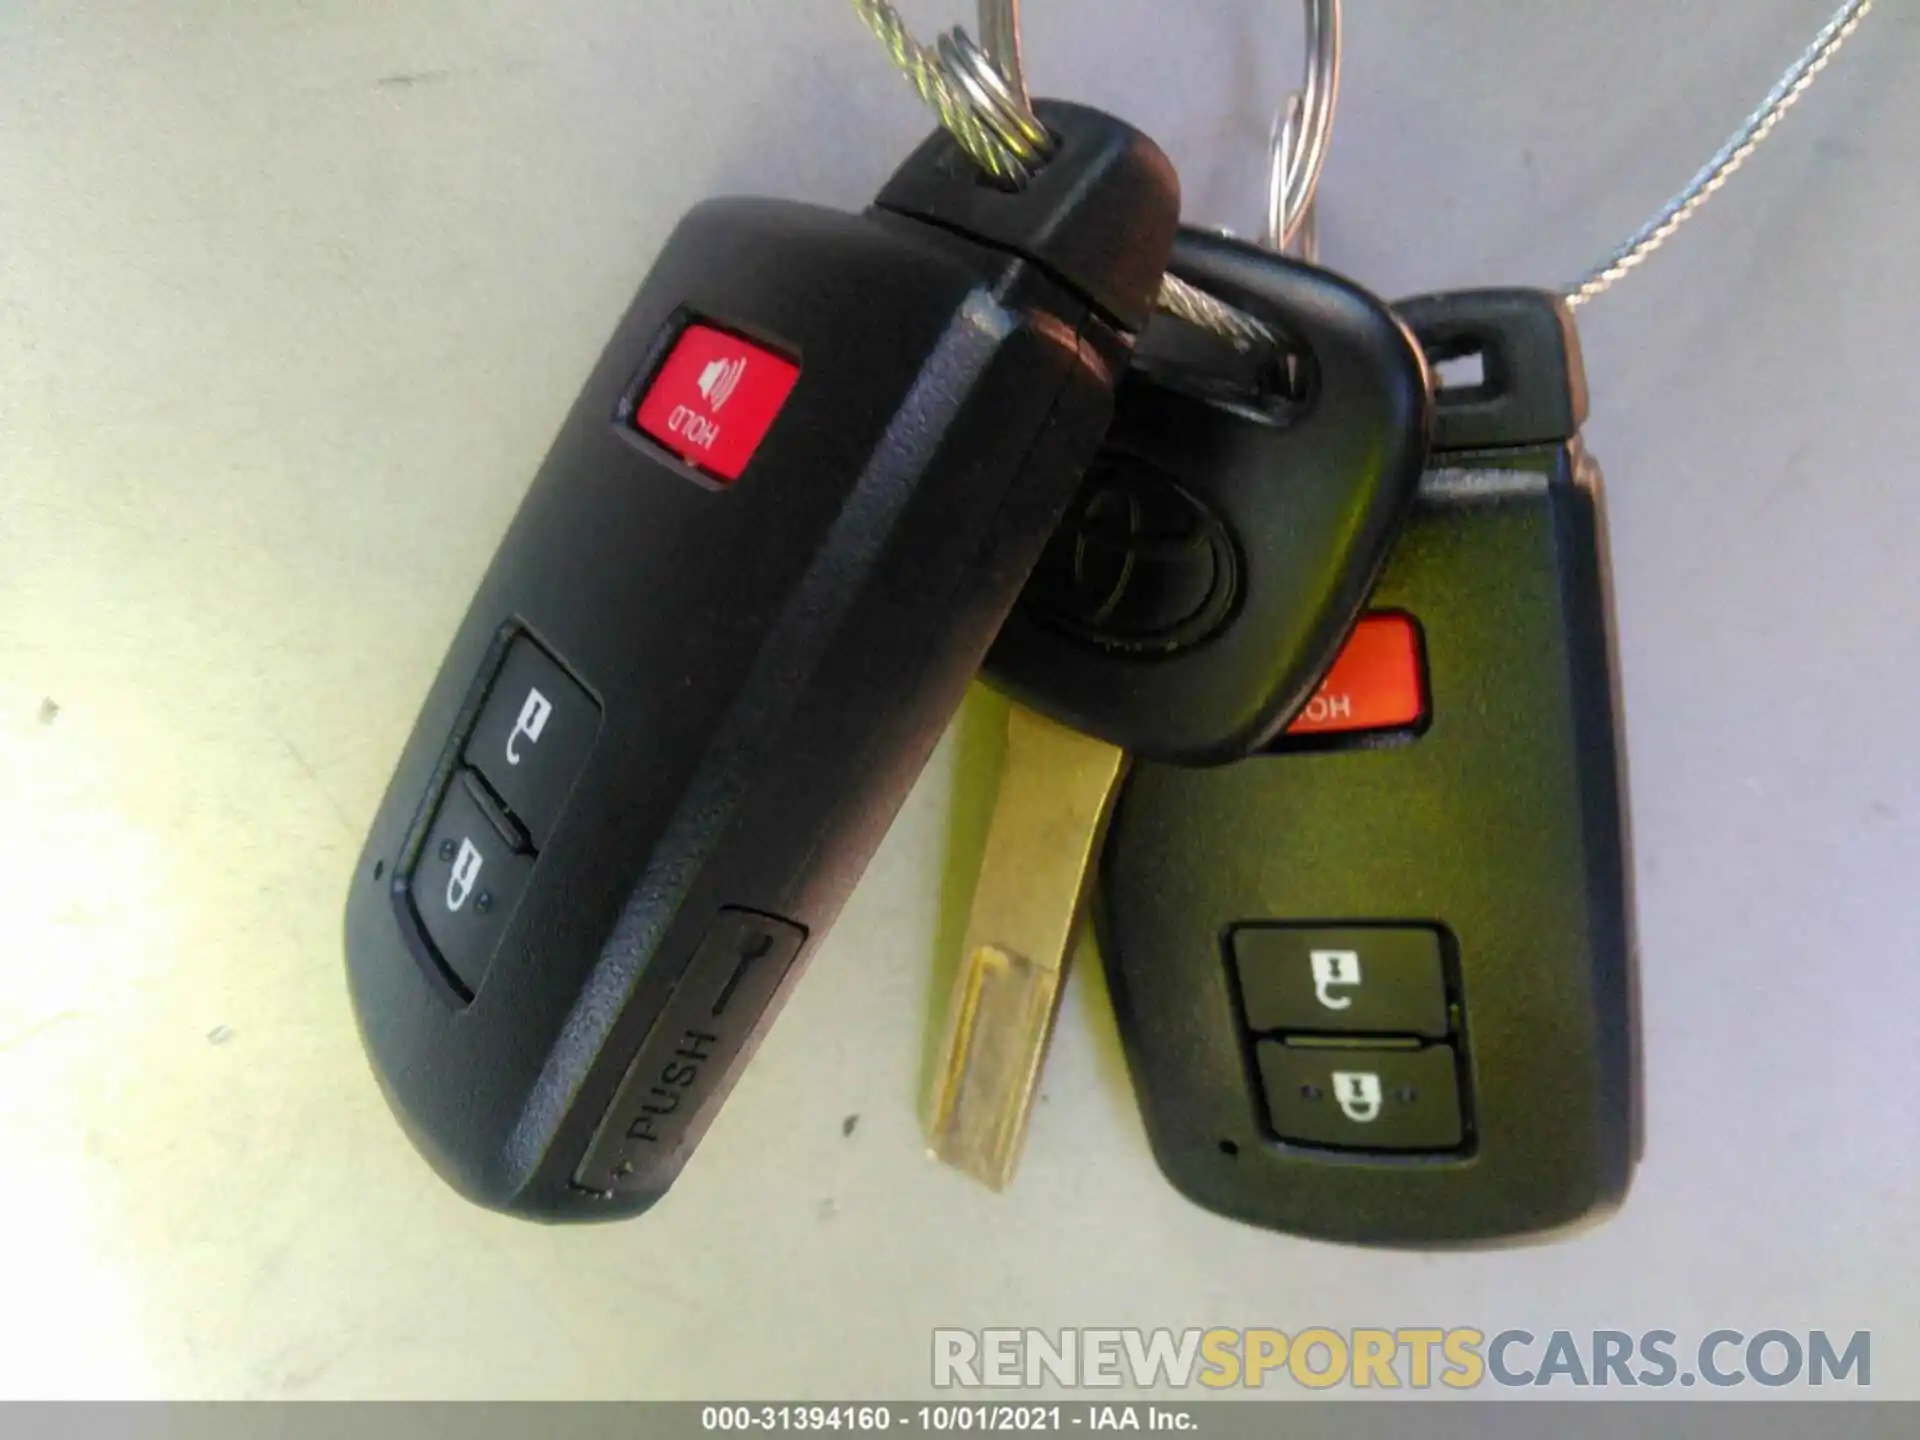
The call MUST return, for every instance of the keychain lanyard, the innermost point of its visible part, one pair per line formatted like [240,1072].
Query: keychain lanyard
[1729,158]
[979,92]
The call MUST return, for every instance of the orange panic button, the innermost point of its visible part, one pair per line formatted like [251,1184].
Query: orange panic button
[714,399]
[1375,684]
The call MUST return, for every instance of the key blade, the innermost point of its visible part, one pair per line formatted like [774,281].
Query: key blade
[1004,1008]
[1049,819]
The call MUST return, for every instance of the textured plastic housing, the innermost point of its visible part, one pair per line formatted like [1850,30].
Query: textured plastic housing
[1502,825]
[773,659]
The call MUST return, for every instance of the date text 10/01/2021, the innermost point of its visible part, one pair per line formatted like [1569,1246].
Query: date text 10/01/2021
[943,1419]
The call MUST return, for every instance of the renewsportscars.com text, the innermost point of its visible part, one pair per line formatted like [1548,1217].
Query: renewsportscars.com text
[1461,1358]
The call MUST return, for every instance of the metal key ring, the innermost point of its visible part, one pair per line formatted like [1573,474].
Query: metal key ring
[1300,137]
[1302,125]
[1283,145]
[999,100]
[979,92]
[1302,131]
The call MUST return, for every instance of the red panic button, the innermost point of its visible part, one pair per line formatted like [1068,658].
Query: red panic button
[714,400]
[1375,684]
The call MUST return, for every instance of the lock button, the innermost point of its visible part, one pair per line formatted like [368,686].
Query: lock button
[1354,1099]
[532,738]
[468,879]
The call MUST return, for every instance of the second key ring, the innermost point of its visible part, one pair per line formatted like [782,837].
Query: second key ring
[1302,127]
[1302,131]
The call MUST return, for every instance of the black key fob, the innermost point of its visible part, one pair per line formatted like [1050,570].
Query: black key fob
[1376,985]
[746,592]
[1230,529]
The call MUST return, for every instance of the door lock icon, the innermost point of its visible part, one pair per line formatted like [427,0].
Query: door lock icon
[466,873]
[1333,968]
[533,720]
[1358,1092]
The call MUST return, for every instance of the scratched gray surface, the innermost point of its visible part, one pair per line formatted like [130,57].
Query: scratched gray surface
[292,299]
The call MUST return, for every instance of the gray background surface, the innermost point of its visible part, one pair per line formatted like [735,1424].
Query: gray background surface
[292,299]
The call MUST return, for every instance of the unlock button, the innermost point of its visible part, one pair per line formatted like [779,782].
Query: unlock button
[1353,980]
[532,737]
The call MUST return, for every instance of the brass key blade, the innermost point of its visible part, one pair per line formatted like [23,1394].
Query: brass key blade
[1049,818]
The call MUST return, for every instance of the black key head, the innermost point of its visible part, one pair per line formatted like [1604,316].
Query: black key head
[1234,521]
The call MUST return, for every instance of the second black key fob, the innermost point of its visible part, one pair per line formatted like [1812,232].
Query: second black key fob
[1377,984]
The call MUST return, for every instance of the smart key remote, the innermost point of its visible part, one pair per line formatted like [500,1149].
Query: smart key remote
[762,562]
[1376,985]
